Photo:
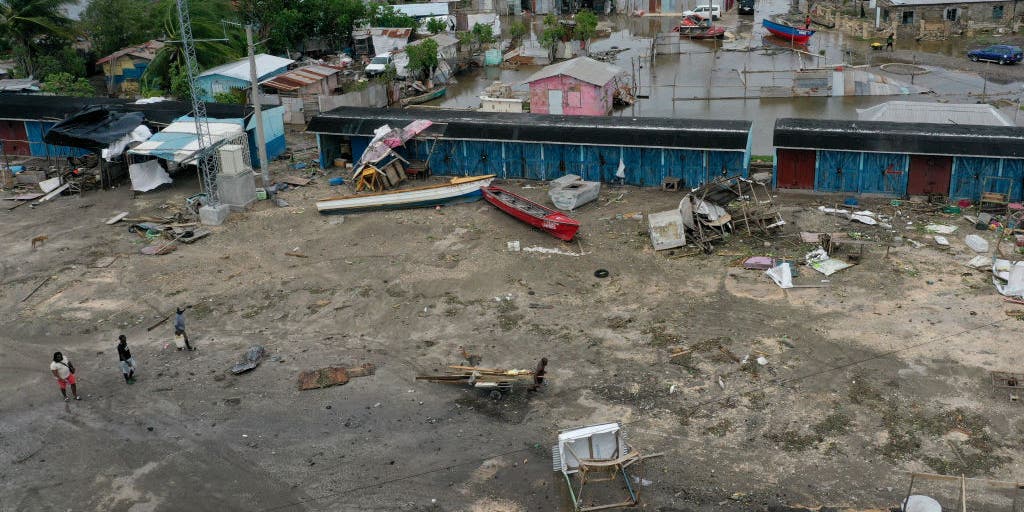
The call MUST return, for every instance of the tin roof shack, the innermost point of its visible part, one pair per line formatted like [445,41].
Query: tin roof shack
[25,119]
[19,85]
[546,147]
[124,68]
[447,57]
[581,86]
[235,75]
[899,159]
[384,39]
[938,19]
[297,90]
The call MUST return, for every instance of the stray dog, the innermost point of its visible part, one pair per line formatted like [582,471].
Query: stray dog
[39,240]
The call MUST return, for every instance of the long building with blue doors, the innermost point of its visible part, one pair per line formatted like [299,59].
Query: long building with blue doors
[899,159]
[545,147]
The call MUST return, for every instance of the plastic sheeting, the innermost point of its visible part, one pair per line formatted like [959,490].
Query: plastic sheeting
[93,127]
[179,142]
[147,175]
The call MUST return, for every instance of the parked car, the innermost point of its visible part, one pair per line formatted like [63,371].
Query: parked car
[379,64]
[745,7]
[705,11]
[1001,53]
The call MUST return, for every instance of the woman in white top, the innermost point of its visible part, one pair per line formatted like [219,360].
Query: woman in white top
[64,372]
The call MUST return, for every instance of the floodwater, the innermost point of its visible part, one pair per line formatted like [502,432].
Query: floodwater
[721,79]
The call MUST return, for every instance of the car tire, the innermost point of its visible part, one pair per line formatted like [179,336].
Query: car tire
[1002,62]
[973,58]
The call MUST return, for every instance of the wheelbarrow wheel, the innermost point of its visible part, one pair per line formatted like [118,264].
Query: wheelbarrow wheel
[495,395]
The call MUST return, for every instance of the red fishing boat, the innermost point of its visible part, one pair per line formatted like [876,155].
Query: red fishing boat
[695,27]
[787,32]
[556,223]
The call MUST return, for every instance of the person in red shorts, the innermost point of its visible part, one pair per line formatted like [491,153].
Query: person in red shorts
[64,372]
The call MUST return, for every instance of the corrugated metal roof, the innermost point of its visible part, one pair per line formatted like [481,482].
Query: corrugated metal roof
[443,40]
[651,132]
[301,77]
[940,2]
[935,113]
[19,84]
[240,68]
[423,10]
[580,68]
[145,50]
[900,138]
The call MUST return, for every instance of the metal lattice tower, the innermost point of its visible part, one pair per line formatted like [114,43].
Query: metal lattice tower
[206,158]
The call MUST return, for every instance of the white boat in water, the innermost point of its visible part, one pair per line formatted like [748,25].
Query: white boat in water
[570,192]
[458,190]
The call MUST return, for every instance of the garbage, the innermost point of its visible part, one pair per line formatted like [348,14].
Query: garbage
[332,376]
[1008,277]
[252,358]
[782,275]
[497,380]
[761,360]
[759,263]
[941,229]
[819,260]
[941,240]
[976,243]
[979,263]
[513,246]
[919,503]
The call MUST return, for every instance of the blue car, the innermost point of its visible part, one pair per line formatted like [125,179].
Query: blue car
[1001,53]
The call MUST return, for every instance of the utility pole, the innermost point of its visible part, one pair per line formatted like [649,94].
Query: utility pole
[261,141]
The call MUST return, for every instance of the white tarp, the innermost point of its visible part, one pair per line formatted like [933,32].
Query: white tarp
[782,275]
[139,134]
[179,142]
[1008,277]
[147,175]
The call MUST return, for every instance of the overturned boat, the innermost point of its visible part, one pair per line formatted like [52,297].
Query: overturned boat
[570,192]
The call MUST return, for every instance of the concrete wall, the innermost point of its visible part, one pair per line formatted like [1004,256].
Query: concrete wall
[578,98]
[375,95]
[501,104]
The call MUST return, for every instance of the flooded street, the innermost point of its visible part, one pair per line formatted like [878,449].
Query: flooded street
[722,79]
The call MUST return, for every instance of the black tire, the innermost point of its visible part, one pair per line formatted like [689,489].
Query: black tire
[495,395]
[1002,62]
[601,273]
[973,58]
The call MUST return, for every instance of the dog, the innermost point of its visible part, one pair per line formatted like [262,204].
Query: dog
[39,240]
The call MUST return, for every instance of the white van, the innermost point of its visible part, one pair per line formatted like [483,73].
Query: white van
[705,11]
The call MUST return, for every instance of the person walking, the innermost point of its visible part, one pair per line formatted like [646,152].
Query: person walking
[807,22]
[179,328]
[64,372]
[889,40]
[125,360]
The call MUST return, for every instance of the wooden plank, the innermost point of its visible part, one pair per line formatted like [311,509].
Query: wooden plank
[293,180]
[117,218]
[54,193]
[34,290]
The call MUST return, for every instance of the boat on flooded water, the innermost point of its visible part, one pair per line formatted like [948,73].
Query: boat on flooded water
[695,27]
[787,32]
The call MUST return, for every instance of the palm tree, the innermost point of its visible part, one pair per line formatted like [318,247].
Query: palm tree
[216,42]
[24,22]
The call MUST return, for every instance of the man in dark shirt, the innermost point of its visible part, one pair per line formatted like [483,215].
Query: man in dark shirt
[127,362]
[538,374]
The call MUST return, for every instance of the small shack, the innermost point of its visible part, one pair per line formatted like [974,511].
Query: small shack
[899,159]
[637,151]
[580,86]
[123,69]
[943,18]
[297,90]
[235,75]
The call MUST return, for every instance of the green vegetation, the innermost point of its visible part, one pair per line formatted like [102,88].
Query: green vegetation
[586,26]
[423,59]
[436,25]
[236,96]
[553,33]
[29,28]
[517,30]
[384,15]
[115,24]
[66,84]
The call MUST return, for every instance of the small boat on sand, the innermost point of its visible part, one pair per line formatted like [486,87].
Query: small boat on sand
[570,192]
[787,32]
[458,190]
[555,223]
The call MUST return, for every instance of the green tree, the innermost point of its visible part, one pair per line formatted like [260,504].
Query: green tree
[586,26]
[483,34]
[63,60]
[236,96]
[115,24]
[517,30]
[384,15]
[179,87]
[553,33]
[66,84]
[25,23]
[423,59]
[209,32]
[436,25]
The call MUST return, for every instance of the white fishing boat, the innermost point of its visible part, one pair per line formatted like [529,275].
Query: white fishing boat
[458,190]
[570,192]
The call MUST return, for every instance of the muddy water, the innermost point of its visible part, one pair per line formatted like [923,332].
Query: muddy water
[720,80]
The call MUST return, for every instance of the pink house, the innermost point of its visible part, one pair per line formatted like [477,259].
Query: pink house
[580,86]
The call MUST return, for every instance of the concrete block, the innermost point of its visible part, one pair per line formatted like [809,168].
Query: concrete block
[214,215]
[237,191]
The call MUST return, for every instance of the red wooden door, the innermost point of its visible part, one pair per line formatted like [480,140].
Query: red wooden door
[929,175]
[12,134]
[795,169]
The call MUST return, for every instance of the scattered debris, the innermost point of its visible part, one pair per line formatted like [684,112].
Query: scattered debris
[332,376]
[980,263]
[293,180]
[253,357]
[158,249]
[819,260]
[117,218]
[941,229]
[941,240]
[547,250]
[1008,277]
[497,380]
[513,246]
[759,263]
[976,243]
[782,275]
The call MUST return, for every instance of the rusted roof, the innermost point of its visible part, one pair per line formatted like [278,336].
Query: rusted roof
[145,51]
[301,77]
[397,33]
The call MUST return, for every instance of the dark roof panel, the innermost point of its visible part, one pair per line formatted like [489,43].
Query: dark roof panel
[606,131]
[893,137]
[33,107]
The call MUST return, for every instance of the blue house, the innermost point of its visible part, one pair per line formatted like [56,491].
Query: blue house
[899,159]
[545,147]
[235,75]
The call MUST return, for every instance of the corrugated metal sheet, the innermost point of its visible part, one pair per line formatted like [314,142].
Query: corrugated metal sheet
[298,78]
[581,68]
[935,113]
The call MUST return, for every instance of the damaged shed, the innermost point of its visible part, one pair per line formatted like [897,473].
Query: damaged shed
[544,147]
[899,159]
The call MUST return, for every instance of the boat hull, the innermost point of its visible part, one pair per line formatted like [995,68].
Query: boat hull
[796,35]
[575,194]
[554,223]
[425,97]
[459,190]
